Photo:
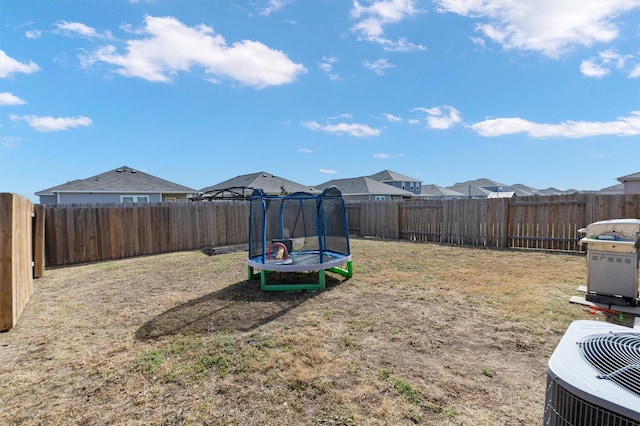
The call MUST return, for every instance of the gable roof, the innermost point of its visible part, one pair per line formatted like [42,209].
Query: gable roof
[439,191]
[480,187]
[614,189]
[479,183]
[522,190]
[633,176]
[122,180]
[364,186]
[389,176]
[269,183]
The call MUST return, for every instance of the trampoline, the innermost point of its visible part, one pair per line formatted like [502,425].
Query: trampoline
[299,232]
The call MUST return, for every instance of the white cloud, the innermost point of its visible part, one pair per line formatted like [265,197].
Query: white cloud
[33,34]
[441,118]
[384,156]
[352,129]
[7,98]
[75,28]
[326,65]
[8,66]
[378,66]
[344,115]
[169,47]
[328,171]
[635,72]
[623,126]
[601,65]
[273,6]
[392,118]
[10,142]
[52,124]
[551,27]
[590,68]
[305,150]
[373,18]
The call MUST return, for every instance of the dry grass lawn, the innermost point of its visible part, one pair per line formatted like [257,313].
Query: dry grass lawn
[422,334]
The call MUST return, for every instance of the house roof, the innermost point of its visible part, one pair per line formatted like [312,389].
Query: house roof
[123,180]
[479,183]
[522,190]
[269,183]
[439,191]
[633,176]
[551,191]
[364,186]
[614,189]
[502,194]
[389,176]
[479,188]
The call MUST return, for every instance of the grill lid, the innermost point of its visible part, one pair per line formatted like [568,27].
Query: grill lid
[616,356]
[614,229]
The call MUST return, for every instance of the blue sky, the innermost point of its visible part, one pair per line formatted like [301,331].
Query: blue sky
[544,93]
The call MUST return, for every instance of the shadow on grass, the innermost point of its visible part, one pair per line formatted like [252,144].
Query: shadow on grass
[238,307]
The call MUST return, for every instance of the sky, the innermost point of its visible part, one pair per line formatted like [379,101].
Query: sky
[544,93]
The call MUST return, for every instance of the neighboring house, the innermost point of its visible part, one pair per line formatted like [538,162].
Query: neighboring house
[522,190]
[554,191]
[435,192]
[631,183]
[613,190]
[398,181]
[242,187]
[479,188]
[121,185]
[364,189]
[502,194]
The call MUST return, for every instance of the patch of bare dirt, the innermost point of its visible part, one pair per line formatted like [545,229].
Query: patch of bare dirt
[422,334]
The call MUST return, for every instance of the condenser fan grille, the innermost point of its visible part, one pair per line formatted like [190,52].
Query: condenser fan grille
[616,356]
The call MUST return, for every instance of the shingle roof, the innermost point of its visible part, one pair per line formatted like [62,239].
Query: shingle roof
[634,176]
[439,191]
[364,185]
[123,180]
[479,183]
[269,183]
[389,176]
[522,190]
[614,189]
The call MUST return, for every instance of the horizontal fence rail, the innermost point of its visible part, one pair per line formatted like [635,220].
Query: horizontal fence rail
[89,233]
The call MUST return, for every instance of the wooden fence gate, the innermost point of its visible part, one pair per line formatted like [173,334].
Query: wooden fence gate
[21,254]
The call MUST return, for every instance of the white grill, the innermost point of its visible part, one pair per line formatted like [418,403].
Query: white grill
[613,252]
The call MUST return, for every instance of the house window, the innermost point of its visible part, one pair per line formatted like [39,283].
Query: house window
[130,199]
[411,187]
[380,198]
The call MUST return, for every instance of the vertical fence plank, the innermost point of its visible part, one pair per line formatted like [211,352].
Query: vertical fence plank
[39,240]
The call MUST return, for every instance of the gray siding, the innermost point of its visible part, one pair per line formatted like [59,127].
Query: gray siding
[48,199]
[102,198]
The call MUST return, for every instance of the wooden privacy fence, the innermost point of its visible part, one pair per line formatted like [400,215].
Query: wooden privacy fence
[537,222]
[86,233]
[89,233]
[21,254]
